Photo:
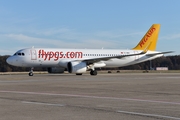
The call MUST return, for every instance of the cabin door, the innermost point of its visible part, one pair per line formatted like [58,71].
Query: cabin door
[33,54]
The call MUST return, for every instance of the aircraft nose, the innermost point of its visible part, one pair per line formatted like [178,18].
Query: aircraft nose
[9,60]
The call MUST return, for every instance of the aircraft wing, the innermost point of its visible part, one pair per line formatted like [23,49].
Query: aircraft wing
[93,60]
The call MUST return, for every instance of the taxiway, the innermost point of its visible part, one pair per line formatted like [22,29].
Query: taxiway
[118,96]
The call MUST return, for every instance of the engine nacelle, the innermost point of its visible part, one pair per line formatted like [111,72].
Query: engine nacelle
[56,70]
[76,67]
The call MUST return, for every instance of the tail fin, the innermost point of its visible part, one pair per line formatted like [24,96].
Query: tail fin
[150,39]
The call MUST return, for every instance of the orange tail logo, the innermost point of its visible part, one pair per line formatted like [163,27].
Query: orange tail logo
[150,36]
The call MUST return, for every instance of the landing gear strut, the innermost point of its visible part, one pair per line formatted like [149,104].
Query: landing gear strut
[31,72]
[93,72]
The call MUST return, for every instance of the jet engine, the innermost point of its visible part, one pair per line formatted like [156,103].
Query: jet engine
[56,70]
[76,67]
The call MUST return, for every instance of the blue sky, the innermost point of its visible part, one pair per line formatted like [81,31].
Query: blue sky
[111,24]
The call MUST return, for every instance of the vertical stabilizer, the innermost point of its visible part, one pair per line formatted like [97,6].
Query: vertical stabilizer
[150,39]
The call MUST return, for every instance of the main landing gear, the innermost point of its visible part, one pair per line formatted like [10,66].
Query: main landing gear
[93,72]
[78,73]
[31,72]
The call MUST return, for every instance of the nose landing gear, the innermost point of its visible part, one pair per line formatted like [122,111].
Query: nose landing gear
[31,72]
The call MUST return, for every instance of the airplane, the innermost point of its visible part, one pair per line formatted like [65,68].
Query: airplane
[78,61]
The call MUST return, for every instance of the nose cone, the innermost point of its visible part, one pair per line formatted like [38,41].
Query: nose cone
[9,60]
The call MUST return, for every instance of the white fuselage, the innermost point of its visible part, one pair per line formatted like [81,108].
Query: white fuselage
[46,57]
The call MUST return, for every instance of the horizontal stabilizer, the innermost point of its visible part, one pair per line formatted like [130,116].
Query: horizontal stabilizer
[153,54]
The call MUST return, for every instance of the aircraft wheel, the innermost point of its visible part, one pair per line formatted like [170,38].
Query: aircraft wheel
[93,72]
[78,73]
[30,73]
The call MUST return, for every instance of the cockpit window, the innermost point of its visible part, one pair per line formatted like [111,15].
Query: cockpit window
[19,54]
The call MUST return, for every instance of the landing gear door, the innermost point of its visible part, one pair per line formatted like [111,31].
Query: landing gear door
[33,54]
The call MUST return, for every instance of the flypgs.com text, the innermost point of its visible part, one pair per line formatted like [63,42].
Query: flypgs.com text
[48,55]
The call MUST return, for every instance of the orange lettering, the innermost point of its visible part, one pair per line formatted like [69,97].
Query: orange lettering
[148,35]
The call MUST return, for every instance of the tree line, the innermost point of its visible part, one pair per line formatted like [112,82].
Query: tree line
[172,62]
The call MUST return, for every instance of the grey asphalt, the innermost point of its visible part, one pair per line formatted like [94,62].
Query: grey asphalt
[117,96]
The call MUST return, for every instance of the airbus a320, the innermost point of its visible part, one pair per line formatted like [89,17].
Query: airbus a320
[79,61]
